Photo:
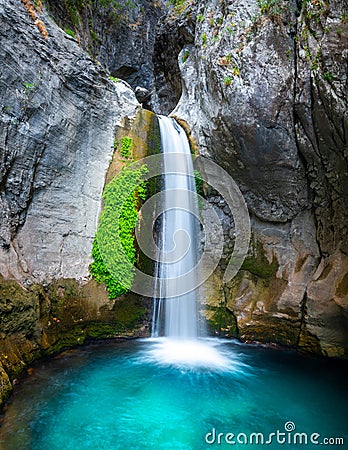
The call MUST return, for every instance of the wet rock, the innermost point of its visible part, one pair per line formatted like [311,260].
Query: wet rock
[241,106]
[326,314]
[172,35]
[142,94]
[321,118]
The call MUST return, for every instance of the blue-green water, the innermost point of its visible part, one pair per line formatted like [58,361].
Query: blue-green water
[116,396]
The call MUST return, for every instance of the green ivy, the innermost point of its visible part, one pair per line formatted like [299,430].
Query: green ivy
[114,250]
[126,147]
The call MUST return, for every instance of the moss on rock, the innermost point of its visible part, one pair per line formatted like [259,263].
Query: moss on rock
[221,321]
[39,321]
[5,385]
[258,264]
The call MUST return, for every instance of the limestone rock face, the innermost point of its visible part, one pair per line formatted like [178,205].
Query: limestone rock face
[264,91]
[58,117]
[59,114]
[321,117]
[241,109]
[121,35]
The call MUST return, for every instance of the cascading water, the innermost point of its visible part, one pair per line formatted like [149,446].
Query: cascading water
[178,338]
[176,317]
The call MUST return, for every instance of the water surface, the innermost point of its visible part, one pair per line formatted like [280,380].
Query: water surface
[128,395]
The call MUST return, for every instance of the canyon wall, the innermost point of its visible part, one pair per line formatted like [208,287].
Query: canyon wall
[264,89]
[59,115]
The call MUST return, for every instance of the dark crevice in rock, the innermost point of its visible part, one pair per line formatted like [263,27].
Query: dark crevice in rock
[172,35]
[120,35]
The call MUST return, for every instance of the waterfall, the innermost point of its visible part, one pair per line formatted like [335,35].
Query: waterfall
[178,237]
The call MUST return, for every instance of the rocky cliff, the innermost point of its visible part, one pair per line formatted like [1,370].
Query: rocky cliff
[264,88]
[119,34]
[59,114]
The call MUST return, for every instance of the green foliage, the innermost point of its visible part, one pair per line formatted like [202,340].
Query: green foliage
[328,76]
[200,18]
[70,32]
[228,80]
[28,87]
[179,6]
[272,8]
[231,30]
[198,182]
[315,63]
[314,10]
[185,56]
[126,147]
[204,39]
[95,36]
[72,7]
[114,79]
[114,250]
[112,13]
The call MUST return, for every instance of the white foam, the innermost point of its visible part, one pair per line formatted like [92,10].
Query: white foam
[191,354]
